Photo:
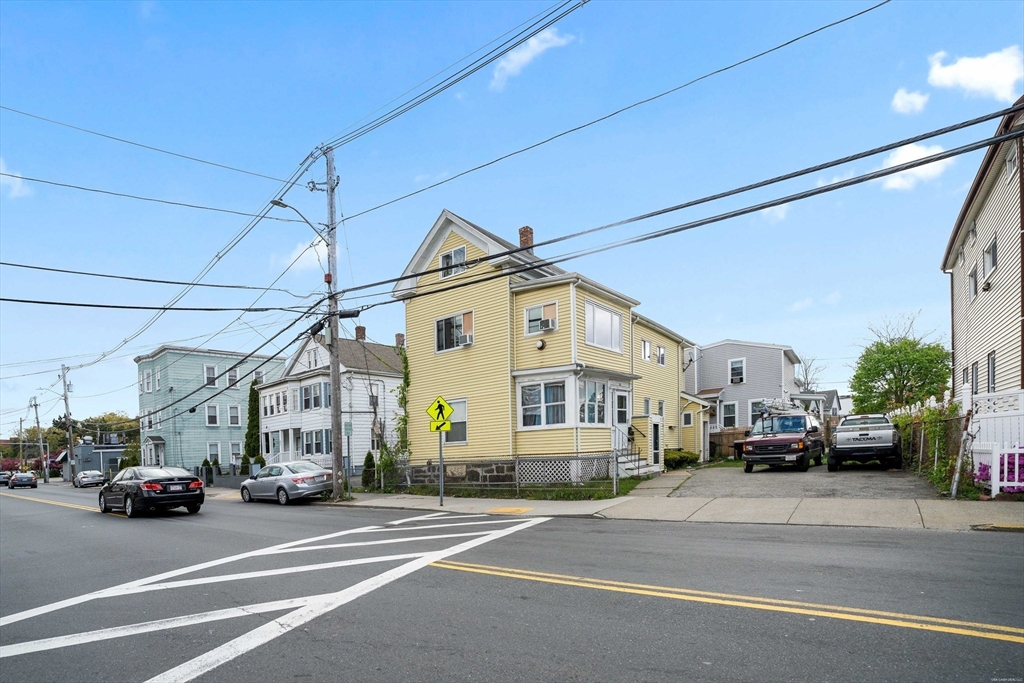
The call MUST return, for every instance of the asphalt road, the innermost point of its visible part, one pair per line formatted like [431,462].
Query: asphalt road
[852,481]
[488,598]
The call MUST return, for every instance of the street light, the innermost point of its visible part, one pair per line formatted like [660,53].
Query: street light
[281,205]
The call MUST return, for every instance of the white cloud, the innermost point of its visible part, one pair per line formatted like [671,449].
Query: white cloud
[312,259]
[515,61]
[832,299]
[908,179]
[801,305]
[16,187]
[995,75]
[904,102]
[822,182]
[775,214]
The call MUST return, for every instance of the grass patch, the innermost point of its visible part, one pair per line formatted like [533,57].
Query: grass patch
[725,463]
[598,489]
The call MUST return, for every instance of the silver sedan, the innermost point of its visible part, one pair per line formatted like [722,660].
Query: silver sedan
[88,478]
[287,481]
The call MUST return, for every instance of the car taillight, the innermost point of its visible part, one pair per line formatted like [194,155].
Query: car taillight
[302,480]
[196,485]
[148,486]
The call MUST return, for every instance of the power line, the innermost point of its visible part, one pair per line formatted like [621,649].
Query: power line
[125,307]
[709,198]
[618,111]
[139,144]
[664,232]
[144,279]
[147,199]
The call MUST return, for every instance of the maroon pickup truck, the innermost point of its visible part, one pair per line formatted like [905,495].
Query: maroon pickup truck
[791,438]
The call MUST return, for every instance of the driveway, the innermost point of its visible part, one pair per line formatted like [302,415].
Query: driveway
[865,481]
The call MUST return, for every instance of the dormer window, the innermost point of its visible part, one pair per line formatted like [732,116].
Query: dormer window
[453,262]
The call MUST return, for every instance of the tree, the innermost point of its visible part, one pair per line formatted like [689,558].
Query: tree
[808,376]
[10,465]
[99,426]
[899,368]
[132,456]
[252,427]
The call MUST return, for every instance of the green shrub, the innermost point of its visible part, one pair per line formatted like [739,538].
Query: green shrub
[259,460]
[244,467]
[675,459]
[369,472]
[216,466]
[206,463]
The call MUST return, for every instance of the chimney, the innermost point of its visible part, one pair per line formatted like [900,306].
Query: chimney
[360,333]
[399,339]
[526,237]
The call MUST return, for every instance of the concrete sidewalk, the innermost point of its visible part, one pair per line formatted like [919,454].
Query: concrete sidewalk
[897,514]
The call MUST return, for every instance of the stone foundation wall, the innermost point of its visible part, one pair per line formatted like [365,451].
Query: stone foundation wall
[465,473]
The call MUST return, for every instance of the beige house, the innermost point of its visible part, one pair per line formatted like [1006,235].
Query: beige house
[534,360]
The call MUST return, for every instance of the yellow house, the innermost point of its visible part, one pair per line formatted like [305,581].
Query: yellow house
[534,360]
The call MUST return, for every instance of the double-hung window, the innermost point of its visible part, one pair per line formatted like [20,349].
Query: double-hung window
[661,355]
[645,350]
[210,372]
[326,393]
[543,404]
[307,443]
[156,379]
[212,416]
[318,441]
[284,401]
[728,415]
[234,416]
[328,448]
[453,262]
[756,408]
[448,331]
[257,376]
[233,377]
[316,395]
[213,451]
[687,419]
[459,432]
[147,380]
[661,408]
[990,361]
[534,314]
[972,283]
[1011,162]
[991,259]
[277,402]
[604,327]
[592,402]
[974,378]
[647,406]
[307,397]
[737,371]
[236,451]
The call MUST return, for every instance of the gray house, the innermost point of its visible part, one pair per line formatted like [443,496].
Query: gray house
[169,433]
[736,377]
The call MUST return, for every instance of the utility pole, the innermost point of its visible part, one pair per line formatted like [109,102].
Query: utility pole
[69,471]
[39,434]
[337,444]
[21,440]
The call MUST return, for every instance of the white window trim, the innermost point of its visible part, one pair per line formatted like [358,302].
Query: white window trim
[728,371]
[227,378]
[609,405]
[1011,156]
[156,379]
[240,450]
[262,374]
[750,410]
[687,419]
[456,269]
[984,260]
[662,357]
[453,401]
[216,409]
[206,383]
[526,319]
[208,454]
[622,332]
[147,381]
[141,390]
[736,414]
[567,381]
[972,284]
[661,408]
[647,406]
[239,409]
[457,347]
[645,350]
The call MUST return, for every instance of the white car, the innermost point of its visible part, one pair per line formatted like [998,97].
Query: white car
[88,478]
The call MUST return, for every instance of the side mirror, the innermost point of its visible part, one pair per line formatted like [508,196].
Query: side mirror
[252,476]
[746,433]
[813,429]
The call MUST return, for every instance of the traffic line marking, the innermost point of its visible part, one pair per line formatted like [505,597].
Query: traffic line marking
[509,511]
[964,628]
[60,503]
[386,541]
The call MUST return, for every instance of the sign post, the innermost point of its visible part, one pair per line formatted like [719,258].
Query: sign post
[440,412]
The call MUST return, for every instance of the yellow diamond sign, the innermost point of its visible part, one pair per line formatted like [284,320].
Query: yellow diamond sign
[439,411]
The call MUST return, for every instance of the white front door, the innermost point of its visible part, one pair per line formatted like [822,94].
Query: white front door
[620,423]
[655,452]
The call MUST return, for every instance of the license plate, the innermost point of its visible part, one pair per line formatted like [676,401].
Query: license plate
[322,477]
[791,457]
[176,487]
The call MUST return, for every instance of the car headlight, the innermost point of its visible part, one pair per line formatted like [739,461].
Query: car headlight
[798,446]
[748,449]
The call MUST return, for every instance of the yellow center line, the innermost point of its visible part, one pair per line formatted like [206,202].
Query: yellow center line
[924,623]
[56,502]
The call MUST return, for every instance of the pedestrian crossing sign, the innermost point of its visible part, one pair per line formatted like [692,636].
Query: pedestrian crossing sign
[440,425]
[439,411]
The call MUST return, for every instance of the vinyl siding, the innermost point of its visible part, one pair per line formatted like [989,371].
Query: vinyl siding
[991,322]
[558,344]
[593,355]
[479,373]
[764,375]
[657,382]
[596,438]
[689,437]
[543,441]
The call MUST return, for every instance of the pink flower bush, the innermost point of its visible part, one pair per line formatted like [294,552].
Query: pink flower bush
[1015,463]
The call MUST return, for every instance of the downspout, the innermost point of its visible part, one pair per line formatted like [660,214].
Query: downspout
[511,306]
[575,390]
[1020,228]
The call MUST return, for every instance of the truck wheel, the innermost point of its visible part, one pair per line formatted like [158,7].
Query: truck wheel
[804,464]
[817,460]
[897,461]
[833,465]
[748,467]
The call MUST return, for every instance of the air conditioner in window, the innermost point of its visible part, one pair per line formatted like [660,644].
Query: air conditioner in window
[548,324]
[465,340]
[736,380]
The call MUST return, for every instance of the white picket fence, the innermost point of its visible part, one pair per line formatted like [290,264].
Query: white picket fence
[999,418]
[1005,467]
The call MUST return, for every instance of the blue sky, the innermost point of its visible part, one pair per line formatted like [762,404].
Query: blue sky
[259,85]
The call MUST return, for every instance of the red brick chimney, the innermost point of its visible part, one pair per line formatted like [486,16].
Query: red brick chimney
[360,333]
[399,339]
[526,237]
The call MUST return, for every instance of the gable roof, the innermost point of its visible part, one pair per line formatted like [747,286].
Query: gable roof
[355,356]
[485,240]
[979,187]
[788,350]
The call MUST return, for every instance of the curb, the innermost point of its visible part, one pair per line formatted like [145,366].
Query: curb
[1018,528]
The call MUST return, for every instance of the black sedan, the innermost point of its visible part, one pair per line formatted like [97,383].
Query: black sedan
[138,489]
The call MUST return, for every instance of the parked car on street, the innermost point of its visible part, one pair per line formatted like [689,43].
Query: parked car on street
[5,477]
[788,437]
[864,438]
[22,479]
[286,482]
[138,489]
[88,478]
